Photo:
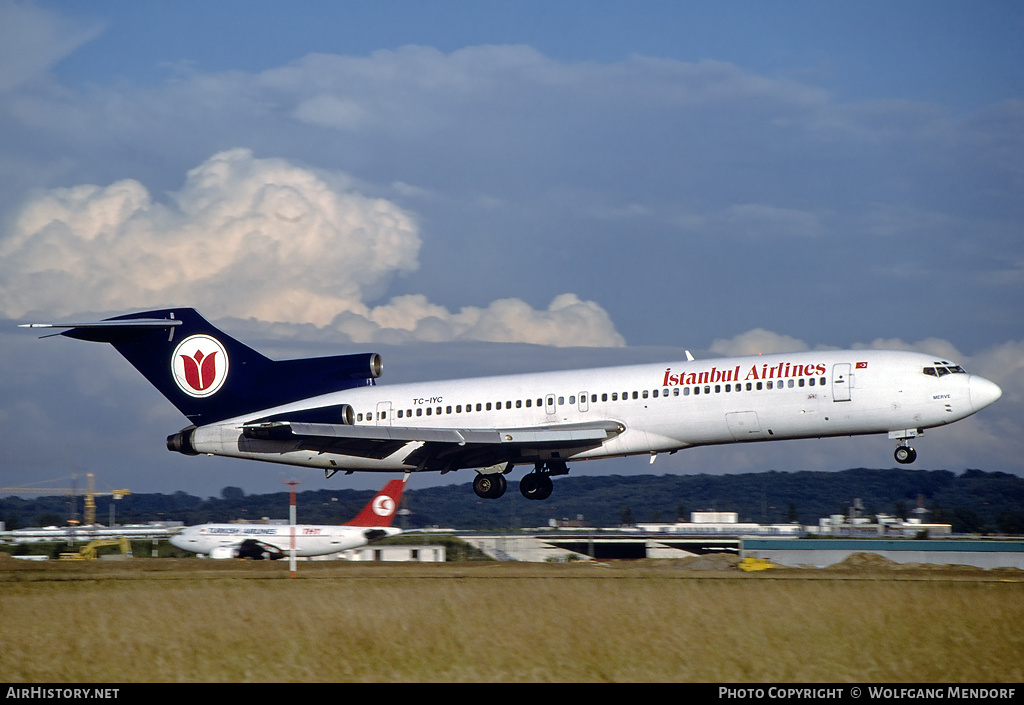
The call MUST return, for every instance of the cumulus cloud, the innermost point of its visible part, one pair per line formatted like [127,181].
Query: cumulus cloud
[244,237]
[931,346]
[567,321]
[755,342]
[260,238]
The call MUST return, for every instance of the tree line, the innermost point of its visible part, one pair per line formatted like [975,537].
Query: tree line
[973,501]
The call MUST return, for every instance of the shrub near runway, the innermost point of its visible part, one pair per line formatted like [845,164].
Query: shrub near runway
[501,622]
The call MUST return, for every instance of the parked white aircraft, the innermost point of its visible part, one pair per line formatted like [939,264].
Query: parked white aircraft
[329,413]
[275,540]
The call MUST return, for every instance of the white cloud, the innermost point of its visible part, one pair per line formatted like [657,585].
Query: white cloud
[755,342]
[329,111]
[759,220]
[33,39]
[260,238]
[567,322]
[931,346]
[244,237]
[1004,365]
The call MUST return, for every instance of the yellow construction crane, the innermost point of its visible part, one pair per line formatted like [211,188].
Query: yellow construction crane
[90,495]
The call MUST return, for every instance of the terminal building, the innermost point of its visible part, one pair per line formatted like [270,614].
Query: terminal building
[707,533]
[832,541]
[77,534]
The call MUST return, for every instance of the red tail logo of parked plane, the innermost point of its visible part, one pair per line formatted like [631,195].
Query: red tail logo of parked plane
[199,365]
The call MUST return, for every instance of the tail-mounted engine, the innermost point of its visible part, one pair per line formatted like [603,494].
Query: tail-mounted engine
[181,442]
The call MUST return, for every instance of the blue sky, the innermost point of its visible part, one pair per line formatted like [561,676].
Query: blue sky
[958,54]
[511,186]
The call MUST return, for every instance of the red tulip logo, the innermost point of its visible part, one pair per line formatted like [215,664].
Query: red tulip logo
[199,365]
[200,370]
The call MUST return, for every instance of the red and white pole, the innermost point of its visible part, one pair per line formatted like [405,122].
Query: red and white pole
[291,516]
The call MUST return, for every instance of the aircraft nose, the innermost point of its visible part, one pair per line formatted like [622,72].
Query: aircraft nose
[983,392]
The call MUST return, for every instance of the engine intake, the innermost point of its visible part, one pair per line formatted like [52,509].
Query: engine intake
[376,365]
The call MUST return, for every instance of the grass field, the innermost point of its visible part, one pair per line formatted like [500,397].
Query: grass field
[200,621]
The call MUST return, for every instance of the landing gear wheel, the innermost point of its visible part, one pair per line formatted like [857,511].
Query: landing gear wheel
[546,486]
[905,455]
[489,486]
[536,485]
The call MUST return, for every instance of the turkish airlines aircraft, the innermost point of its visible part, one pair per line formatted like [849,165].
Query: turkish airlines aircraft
[329,413]
[274,541]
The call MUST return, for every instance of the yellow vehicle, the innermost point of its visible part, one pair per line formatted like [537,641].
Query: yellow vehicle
[751,564]
[88,551]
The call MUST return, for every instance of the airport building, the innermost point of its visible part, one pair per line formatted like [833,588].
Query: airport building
[720,533]
[821,553]
[79,534]
[387,554]
[707,534]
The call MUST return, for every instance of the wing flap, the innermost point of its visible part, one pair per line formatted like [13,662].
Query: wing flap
[382,441]
[566,434]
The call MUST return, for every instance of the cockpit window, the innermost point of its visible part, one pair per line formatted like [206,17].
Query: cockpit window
[944,368]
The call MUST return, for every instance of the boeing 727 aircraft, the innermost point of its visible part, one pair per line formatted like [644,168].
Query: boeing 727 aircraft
[329,413]
[274,541]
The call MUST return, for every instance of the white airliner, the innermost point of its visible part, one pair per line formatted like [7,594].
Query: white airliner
[274,541]
[329,412]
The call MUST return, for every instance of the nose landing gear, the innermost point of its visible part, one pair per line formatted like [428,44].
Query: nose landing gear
[905,454]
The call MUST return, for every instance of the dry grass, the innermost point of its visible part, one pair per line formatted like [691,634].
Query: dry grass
[193,621]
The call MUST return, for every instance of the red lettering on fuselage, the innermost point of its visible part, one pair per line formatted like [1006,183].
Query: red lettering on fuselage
[783,370]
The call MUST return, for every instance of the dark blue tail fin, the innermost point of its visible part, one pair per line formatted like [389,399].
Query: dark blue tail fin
[208,375]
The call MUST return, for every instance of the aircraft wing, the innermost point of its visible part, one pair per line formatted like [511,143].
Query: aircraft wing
[441,447]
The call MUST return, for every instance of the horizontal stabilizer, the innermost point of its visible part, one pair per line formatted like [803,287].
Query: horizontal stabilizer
[110,331]
[136,323]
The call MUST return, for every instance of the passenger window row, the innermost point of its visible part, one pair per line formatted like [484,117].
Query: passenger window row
[664,393]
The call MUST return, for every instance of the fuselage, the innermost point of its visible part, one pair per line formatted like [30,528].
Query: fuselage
[658,407]
[310,540]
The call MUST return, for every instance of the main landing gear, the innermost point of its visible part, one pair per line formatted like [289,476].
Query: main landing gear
[490,486]
[534,485]
[537,484]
